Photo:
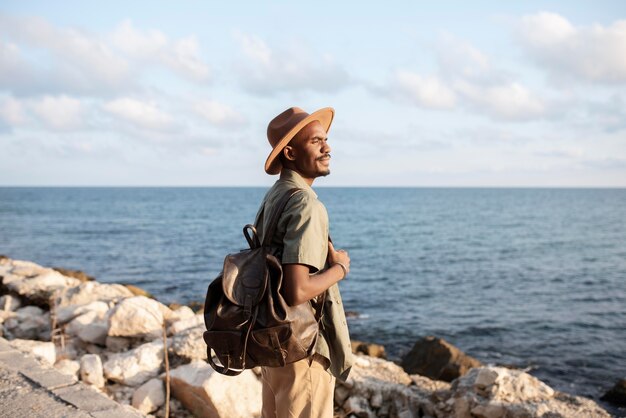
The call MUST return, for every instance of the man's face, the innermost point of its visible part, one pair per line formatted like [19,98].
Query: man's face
[310,151]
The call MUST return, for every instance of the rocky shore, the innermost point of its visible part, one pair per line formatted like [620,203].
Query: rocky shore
[142,353]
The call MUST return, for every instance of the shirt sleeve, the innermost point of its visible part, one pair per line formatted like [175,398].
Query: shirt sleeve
[306,232]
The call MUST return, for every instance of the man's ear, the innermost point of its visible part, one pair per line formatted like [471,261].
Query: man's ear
[288,152]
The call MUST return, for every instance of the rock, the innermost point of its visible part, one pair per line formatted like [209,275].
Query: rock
[489,411]
[69,347]
[65,314]
[385,384]
[44,351]
[435,358]
[28,323]
[493,392]
[91,370]
[138,291]
[118,344]
[68,367]
[358,406]
[617,394]
[90,327]
[370,349]
[190,345]
[77,274]
[186,323]
[27,268]
[90,292]
[134,367]
[149,396]
[121,393]
[39,289]
[180,313]
[9,303]
[137,317]
[207,393]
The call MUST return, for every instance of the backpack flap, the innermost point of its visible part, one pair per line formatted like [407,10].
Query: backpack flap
[245,277]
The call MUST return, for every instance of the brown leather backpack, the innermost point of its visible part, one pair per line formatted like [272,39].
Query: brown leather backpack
[248,322]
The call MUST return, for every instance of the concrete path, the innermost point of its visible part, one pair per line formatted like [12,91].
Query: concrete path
[30,389]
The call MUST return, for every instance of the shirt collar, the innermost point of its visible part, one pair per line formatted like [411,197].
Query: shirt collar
[292,176]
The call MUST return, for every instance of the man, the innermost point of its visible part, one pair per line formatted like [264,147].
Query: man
[311,265]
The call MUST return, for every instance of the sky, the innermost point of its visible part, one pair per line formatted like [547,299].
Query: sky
[453,94]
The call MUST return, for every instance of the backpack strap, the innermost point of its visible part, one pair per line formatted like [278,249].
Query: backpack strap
[270,229]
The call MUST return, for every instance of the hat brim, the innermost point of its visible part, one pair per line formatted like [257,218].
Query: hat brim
[323,116]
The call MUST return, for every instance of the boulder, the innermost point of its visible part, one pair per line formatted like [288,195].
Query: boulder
[617,394]
[181,312]
[121,393]
[207,393]
[90,292]
[384,384]
[77,274]
[189,344]
[186,323]
[138,291]
[90,327]
[370,349]
[91,370]
[9,303]
[494,392]
[39,289]
[28,323]
[44,351]
[27,268]
[137,317]
[68,367]
[65,314]
[149,396]
[134,367]
[436,358]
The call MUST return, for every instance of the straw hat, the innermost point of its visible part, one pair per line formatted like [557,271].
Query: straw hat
[286,125]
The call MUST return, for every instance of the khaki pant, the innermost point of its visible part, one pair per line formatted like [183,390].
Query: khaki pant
[299,390]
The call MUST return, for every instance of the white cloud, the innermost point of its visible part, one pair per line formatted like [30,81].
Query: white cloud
[12,112]
[595,53]
[267,71]
[219,114]
[152,46]
[429,91]
[510,101]
[458,58]
[140,114]
[59,112]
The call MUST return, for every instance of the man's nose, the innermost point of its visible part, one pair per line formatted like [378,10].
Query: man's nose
[326,148]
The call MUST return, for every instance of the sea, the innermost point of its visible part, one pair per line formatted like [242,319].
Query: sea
[533,278]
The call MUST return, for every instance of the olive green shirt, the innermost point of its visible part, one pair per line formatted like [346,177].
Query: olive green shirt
[302,234]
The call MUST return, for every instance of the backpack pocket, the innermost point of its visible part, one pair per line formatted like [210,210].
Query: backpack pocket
[270,346]
[227,346]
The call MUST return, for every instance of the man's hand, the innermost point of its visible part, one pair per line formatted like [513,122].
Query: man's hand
[338,256]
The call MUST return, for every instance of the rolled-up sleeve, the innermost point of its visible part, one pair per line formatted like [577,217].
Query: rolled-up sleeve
[305,222]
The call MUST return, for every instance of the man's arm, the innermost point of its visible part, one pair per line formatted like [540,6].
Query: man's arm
[300,286]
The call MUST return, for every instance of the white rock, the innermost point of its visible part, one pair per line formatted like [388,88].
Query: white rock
[134,367]
[68,367]
[90,327]
[207,393]
[183,312]
[28,323]
[44,351]
[184,324]
[66,313]
[137,316]
[43,285]
[91,370]
[90,292]
[27,268]
[149,396]
[9,303]
[485,377]
[190,345]
[358,406]
[118,344]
